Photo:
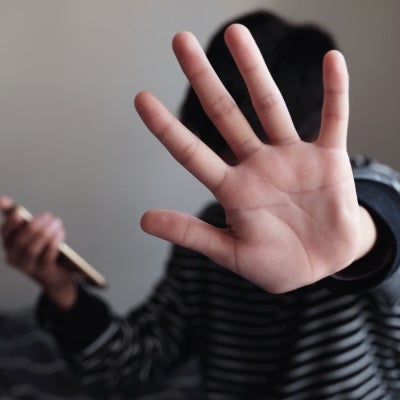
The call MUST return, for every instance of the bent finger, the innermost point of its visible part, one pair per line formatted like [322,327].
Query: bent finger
[39,244]
[10,228]
[50,254]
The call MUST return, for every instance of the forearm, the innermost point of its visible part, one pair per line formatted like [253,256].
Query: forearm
[64,296]
[90,335]
[76,326]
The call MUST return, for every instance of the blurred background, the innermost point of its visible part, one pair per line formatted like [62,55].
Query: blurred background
[71,142]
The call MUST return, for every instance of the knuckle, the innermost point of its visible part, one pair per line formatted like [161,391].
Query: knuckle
[334,116]
[161,130]
[59,222]
[188,152]
[224,105]
[267,102]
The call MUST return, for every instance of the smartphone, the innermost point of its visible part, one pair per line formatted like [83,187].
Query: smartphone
[67,257]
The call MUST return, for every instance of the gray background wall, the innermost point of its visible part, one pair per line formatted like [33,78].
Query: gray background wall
[71,143]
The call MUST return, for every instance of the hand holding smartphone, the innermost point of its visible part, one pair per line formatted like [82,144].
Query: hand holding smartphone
[67,257]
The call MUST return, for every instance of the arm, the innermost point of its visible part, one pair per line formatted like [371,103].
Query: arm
[284,201]
[110,352]
[106,350]
[291,207]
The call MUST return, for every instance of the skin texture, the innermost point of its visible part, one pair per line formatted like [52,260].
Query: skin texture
[33,249]
[291,206]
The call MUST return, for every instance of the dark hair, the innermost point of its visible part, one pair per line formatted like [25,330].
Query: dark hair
[294,56]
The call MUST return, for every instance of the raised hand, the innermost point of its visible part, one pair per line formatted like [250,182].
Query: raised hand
[291,206]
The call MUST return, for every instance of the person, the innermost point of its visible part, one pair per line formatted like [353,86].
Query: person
[286,286]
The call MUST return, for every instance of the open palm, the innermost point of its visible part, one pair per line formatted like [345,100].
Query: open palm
[291,206]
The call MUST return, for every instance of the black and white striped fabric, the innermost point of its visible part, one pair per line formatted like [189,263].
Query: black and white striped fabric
[318,343]
[31,367]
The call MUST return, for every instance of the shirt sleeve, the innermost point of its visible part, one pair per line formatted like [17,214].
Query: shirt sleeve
[108,351]
[378,190]
[79,326]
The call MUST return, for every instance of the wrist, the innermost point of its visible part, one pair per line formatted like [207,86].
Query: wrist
[63,295]
[368,233]
[375,250]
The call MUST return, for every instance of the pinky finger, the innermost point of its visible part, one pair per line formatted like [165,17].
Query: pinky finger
[335,109]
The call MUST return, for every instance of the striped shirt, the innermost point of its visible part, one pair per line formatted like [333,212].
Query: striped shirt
[336,339]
